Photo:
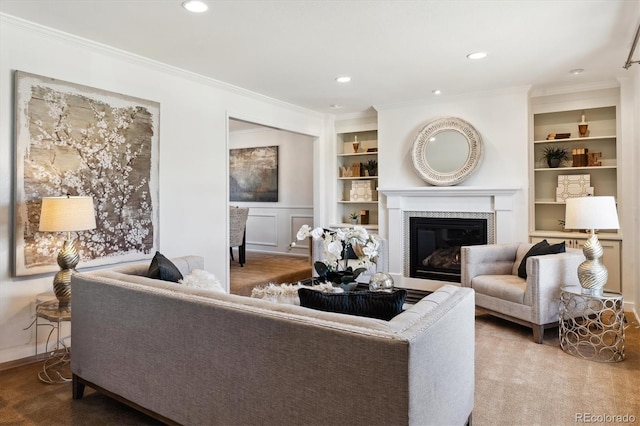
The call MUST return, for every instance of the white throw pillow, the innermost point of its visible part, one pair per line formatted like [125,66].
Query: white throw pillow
[203,280]
[288,293]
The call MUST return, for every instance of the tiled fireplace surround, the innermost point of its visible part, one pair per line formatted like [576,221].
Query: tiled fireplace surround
[493,203]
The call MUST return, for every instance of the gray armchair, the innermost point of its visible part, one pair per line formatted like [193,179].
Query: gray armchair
[237,231]
[492,271]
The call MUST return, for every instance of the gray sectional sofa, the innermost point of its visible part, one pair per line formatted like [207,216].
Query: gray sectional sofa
[194,357]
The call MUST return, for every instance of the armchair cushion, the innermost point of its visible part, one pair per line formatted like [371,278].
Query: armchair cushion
[505,287]
[539,249]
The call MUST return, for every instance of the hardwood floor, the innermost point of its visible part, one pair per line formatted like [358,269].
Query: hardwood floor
[264,268]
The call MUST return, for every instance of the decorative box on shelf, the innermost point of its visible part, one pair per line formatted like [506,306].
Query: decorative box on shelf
[570,186]
[361,191]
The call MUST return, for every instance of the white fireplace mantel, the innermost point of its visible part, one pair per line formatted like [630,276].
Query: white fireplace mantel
[462,199]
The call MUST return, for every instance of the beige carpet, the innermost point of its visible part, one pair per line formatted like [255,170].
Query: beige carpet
[518,382]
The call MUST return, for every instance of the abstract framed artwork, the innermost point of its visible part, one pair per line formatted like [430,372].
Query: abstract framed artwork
[253,174]
[78,140]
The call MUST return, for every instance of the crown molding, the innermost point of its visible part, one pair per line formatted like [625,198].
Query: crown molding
[105,49]
[456,97]
[584,87]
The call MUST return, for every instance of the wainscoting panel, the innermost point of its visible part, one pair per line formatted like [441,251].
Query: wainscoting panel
[262,230]
[273,228]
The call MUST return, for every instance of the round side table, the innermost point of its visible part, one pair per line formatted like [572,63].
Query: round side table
[59,357]
[592,325]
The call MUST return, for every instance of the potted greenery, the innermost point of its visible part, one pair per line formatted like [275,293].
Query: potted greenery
[554,155]
[371,167]
[354,218]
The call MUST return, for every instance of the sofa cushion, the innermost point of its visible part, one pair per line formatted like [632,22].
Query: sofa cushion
[373,304]
[162,268]
[505,287]
[539,250]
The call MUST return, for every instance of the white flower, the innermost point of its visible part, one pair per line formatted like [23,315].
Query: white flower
[317,233]
[304,232]
[336,243]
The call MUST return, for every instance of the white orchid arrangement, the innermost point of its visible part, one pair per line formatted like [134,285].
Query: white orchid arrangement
[336,246]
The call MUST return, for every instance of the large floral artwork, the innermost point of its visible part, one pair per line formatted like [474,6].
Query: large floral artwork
[253,174]
[78,140]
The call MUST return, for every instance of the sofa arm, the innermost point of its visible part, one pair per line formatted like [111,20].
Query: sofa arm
[492,259]
[546,274]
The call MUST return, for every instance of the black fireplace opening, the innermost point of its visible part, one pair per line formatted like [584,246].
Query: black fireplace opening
[434,245]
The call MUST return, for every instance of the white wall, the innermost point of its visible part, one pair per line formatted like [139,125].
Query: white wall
[633,238]
[193,151]
[500,118]
[272,226]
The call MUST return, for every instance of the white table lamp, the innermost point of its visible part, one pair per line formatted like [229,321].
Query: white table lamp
[66,214]
[592,213]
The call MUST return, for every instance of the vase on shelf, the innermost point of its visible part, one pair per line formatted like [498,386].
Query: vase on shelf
[553,162]
[582,129]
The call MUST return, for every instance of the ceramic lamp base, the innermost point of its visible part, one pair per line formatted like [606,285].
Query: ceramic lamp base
[592,274]
[68,259]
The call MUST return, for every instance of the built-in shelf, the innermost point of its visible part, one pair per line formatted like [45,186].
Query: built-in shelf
[560,169]
[546,212]
[585,139]
[346,157]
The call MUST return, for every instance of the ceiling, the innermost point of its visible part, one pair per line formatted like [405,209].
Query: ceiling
[395,51]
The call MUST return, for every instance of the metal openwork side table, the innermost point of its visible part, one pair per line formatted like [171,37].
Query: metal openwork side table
[591,325]
[59,356]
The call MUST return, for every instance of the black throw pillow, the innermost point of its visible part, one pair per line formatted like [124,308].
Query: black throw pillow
[162,268]
[372,304]
[522,268]
[538,250]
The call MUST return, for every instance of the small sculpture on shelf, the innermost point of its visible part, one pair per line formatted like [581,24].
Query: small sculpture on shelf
[593,159]
[364,217]
[582,127]
[580,157]
[355,169]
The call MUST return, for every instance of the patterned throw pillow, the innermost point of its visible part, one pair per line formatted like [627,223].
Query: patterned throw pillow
[372,304]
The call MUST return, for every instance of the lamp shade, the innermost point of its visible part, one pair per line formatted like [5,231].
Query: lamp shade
[591,213]
[66,214]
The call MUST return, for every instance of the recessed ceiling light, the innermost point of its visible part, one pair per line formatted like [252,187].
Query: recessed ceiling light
[577,71]
[436,91]
[477,55]
[195,6]
[343,79]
